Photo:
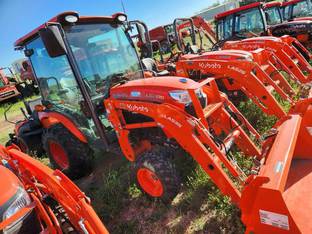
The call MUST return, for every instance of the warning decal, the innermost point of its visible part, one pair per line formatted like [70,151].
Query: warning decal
[274,219]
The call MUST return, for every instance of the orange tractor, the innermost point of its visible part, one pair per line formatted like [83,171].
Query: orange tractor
[96,96]
[36,199]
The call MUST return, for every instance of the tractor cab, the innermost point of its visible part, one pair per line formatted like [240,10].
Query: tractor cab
[243,22]
[273,13]
[258,19]
[297,10]
[76,60]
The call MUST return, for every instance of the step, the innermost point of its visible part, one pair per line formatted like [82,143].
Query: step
[209,109]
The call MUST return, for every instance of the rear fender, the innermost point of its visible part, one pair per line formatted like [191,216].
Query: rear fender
[49,119]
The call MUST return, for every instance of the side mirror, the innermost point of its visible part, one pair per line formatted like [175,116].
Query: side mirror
[184,32]
[53,40]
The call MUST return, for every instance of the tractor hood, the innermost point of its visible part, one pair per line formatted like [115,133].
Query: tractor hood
[303,18]
[9,185]
[292,28]
[154,89]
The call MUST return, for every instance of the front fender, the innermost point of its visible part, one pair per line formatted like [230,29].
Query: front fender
[49,119]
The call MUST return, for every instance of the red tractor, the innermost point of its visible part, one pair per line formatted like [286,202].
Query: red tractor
[96,98]
[166,34]
[36,199]
[252,21]
[7,88]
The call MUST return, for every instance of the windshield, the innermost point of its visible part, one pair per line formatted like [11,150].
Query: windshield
[302,9]
[286,12]
[103,51]
[273,16]
[249,23]
[225,28]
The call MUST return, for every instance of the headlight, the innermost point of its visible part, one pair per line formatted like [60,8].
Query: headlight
[22,200]
[183,96]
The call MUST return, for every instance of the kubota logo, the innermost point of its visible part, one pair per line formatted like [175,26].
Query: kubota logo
[134,108]
[206,65]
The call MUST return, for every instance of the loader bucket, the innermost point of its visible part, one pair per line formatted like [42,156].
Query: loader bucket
[278,199]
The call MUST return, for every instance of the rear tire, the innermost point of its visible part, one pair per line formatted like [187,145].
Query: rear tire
[66,152]
[156,174]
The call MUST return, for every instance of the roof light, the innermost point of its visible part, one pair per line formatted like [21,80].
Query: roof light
[71,18]
[122,18]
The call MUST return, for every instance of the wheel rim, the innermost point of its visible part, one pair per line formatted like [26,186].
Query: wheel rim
[149,182]
[59,155]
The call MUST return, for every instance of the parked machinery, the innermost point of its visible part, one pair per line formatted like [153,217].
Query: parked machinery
[95,95]
[252,21]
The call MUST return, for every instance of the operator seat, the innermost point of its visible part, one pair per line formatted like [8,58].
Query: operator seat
[150,65]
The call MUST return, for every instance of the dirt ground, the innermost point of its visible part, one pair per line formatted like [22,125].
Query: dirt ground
[6,128]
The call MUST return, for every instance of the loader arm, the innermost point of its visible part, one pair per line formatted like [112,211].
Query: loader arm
[242,72]
[44,183]
[286,54]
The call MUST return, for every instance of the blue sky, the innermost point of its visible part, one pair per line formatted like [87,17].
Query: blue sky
[18,17]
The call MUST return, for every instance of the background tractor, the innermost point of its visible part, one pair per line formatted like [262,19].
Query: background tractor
[252,21]
[7,88]
[297,10]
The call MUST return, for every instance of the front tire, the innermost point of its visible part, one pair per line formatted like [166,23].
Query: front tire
[156,175]
[66,152]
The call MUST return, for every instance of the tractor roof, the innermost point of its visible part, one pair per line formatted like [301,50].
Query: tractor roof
[233,11]
[272,4]
[60,18]
[290,2]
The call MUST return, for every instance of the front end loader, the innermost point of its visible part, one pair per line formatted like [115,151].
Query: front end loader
[257,73]
[36,199]
[285,54]
[204,127]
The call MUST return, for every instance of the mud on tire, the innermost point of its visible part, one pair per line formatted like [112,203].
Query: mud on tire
[79,155]
[158,161]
